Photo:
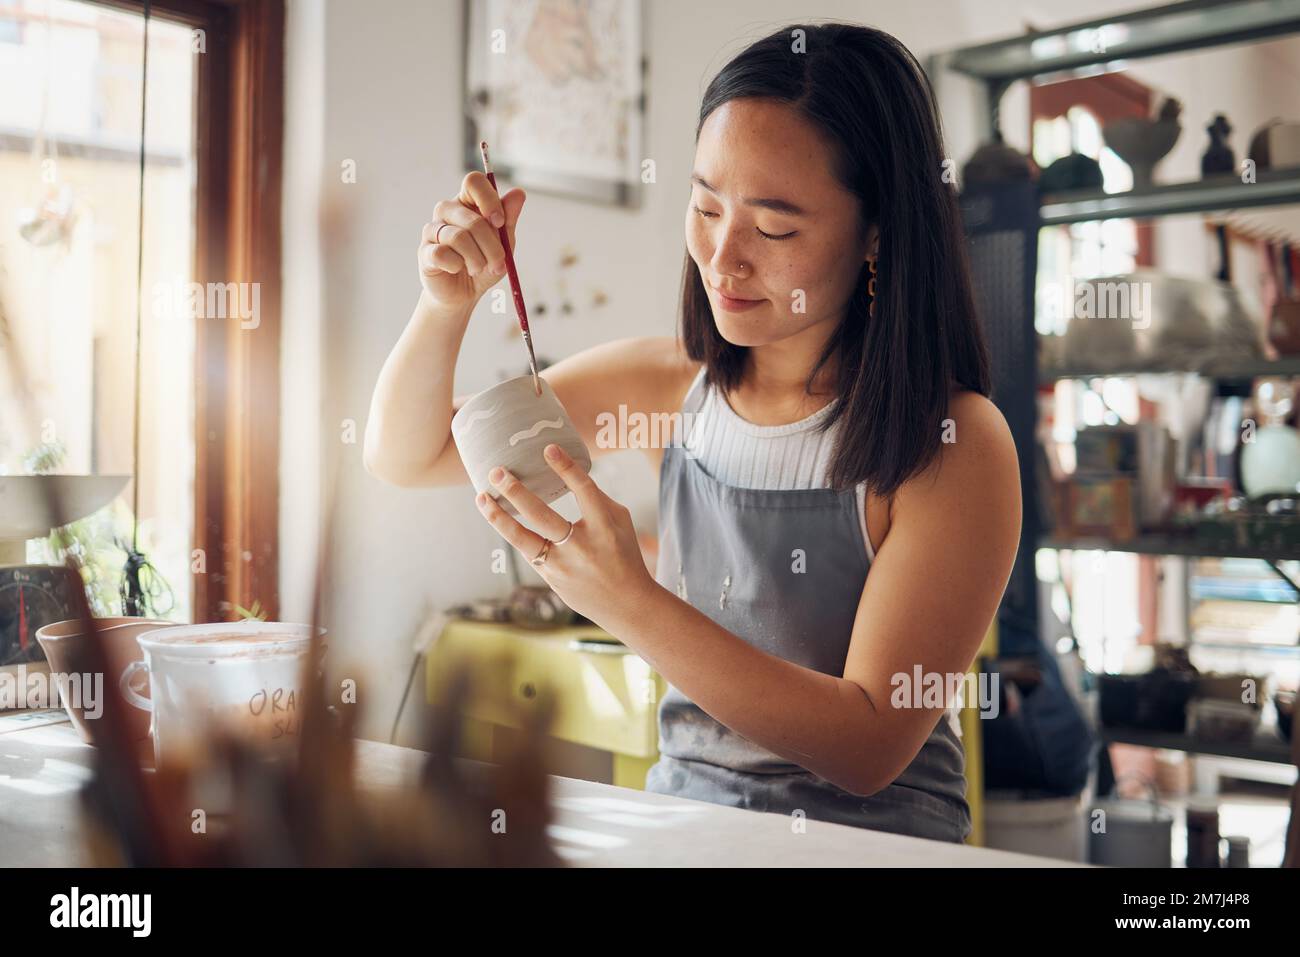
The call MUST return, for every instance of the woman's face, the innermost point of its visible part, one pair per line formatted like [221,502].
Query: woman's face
[773,232]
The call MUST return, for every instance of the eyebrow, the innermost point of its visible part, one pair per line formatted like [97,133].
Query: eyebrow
[776,205]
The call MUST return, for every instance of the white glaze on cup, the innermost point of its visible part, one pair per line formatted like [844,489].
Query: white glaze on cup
[509,425]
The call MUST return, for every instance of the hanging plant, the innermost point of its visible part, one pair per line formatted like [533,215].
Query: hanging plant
[95,542]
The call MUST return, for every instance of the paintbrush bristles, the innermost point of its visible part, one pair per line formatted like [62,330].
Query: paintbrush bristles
[483,149]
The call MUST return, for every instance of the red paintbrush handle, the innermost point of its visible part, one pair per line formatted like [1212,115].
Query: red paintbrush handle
[510,266]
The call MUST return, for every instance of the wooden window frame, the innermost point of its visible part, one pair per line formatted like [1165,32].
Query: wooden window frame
[239,131]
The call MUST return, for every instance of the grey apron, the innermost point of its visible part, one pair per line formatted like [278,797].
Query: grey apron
[784,570]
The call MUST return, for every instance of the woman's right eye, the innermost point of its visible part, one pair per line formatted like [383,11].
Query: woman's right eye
[705,213]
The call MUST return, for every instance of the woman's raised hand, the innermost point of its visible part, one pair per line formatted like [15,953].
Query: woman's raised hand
[460,255]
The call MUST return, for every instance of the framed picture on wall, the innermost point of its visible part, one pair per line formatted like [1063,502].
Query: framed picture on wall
[557,88]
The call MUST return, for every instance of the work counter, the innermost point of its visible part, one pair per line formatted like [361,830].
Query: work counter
[598,825]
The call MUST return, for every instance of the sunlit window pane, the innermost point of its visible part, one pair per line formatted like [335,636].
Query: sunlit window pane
[69,193]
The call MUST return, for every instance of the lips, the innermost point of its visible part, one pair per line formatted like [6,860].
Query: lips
[732,304]
[735,298]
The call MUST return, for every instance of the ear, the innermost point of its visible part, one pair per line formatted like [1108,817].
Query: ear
[873,242]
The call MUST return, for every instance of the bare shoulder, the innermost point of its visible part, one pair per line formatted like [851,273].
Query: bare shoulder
[645,374]
[977,465]
[667,369]
[977,418]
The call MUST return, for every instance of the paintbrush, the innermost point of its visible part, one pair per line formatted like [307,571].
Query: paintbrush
[515,289]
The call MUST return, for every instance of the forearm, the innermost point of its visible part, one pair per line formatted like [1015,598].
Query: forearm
[411,409]
[821,722]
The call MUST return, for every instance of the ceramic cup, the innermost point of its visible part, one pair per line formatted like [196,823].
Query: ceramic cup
[509,425]
[64,644]
[242,677]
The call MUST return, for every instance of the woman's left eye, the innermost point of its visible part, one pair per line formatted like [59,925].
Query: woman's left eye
[708,215]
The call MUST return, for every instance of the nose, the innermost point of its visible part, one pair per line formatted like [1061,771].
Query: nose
[728,255]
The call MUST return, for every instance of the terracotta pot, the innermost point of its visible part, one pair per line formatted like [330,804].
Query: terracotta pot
[1284,327]
[65,646]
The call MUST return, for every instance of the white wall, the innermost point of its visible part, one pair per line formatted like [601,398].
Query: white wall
[380,84]
[303,294]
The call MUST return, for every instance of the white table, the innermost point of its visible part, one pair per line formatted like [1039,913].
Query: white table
[600,825]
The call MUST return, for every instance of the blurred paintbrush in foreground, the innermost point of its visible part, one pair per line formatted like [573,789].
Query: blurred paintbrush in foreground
[315,812]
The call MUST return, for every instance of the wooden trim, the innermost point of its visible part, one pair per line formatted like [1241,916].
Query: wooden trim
[1109,95]
[237,412]
[239,117]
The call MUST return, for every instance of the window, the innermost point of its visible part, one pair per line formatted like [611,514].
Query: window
[1080,250]
[209,457]
[69,189]
[1113,592]
[11,28]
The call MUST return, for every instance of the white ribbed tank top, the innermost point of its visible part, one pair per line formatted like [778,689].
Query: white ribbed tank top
[739,453]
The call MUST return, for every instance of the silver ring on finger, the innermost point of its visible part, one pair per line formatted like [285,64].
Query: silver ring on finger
[567,536]
[438,232]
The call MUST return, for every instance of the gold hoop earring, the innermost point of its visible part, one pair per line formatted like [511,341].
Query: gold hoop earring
[871,287]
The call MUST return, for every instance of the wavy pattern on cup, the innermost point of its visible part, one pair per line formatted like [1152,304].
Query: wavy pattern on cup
[514,437]
[478,415]
[537,427]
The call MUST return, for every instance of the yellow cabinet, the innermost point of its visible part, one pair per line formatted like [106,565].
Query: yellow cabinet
[605,698]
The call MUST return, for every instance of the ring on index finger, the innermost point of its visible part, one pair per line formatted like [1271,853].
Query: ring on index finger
[438,232]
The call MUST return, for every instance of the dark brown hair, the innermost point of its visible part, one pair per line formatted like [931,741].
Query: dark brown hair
[866,92]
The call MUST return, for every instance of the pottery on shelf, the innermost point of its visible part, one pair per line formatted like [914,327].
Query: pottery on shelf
[1073,172]
[1149,321]
[995,162]
[509,425]
[1270,463]
[1218,158]
[1276,145]
[1142,143]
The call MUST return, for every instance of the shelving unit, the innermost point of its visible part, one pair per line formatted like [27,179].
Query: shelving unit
[1110,43]
[1271,188]
[1265,746]
[1166,544]
[1222,369]
[1087,49]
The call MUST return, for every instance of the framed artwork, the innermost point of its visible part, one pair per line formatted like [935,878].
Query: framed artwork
[557,88]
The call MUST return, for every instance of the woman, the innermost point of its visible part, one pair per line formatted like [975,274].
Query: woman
[836,384]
